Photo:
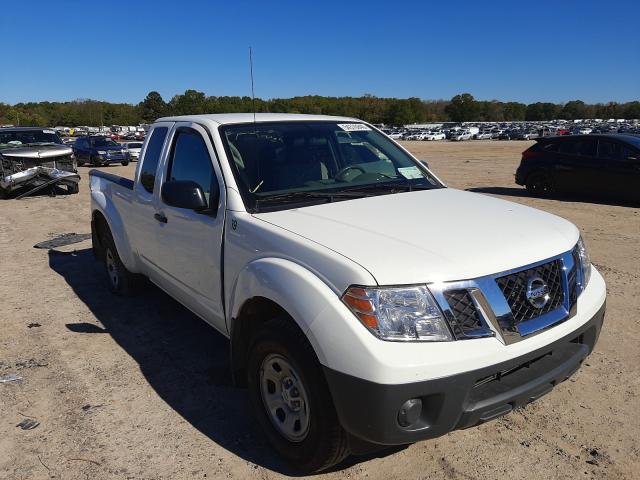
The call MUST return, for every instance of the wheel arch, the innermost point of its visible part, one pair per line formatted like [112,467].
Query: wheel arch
[271,287]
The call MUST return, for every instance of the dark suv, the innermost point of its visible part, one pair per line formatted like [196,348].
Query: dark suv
[606,165]
[99,150]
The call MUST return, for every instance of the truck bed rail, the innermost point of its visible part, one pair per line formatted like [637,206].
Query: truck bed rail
[123,182]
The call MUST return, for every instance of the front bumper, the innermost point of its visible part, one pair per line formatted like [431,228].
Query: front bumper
[113,159]
[374,412]
[38,175]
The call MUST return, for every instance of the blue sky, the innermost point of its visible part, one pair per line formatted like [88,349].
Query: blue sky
[524,51]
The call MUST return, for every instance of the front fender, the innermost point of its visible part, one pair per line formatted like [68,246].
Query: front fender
[299,292]
[104,204]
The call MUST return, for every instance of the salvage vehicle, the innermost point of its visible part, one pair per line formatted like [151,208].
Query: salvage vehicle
[99,150]
[33,158]
[366,303]
[606,165]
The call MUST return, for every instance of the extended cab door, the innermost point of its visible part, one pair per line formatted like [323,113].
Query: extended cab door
[188,244]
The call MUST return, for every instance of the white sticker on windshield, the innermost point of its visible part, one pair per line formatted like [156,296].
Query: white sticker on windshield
[51,132]
[410,172]
[353,127]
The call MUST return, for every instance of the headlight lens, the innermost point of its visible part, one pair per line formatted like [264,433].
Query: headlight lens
[102,152]
[585,262]
[398,314]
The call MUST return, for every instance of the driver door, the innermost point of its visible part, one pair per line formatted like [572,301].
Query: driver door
[189,262]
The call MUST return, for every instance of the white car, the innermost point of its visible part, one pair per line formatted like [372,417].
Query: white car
[483,136]
[133,148]
[461,135]
[366,304]
[431,136]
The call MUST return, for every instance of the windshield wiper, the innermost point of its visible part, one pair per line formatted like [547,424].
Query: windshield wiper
[392,187]
[328,196]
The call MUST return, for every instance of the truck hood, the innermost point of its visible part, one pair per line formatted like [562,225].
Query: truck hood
[36,151]
[430,236]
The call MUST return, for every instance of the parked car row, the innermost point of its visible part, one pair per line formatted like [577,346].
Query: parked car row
[509,130]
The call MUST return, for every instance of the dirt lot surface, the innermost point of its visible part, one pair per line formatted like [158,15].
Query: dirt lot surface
[139,388]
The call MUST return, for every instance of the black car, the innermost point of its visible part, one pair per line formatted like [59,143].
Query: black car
[99,150]
[604,165]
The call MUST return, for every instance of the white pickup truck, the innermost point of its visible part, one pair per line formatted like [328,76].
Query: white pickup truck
[366,303]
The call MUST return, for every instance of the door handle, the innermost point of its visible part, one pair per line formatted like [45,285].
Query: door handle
[159,217]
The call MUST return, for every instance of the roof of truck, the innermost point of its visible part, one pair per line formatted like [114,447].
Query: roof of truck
[229,118]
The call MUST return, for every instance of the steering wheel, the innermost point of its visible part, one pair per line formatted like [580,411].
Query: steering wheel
[339,175]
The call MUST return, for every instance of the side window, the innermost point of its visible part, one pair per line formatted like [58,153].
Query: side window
[586,148]
[567,147]
[608,150]
[627,154]
[190,160]
[152,157]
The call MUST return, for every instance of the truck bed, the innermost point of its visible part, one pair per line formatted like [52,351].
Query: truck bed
[123,182]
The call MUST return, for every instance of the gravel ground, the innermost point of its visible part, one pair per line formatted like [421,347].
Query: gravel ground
[139,388]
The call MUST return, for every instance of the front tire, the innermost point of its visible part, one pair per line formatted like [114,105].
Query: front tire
[124,164]
[291,398]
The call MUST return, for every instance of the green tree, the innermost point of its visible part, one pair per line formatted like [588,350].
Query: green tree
[463,108]
[152,107]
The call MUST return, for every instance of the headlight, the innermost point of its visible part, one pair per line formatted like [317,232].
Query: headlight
[102,152]
[398,314]
[585,262]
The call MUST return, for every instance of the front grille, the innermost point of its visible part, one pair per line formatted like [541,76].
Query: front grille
[572,280]
[514,287]
[466,318]
[17,164]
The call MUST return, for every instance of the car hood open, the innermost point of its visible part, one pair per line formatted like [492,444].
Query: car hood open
[430,236]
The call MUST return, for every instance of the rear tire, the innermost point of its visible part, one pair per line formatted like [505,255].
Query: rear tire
[540,184]
[291,398]
[120,280]
[124,164]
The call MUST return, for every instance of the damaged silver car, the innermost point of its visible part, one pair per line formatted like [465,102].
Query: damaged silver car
[32,159]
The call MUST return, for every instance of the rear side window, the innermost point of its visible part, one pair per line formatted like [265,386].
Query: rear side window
[152,157]
[608,150]
[190,160]
[586,148]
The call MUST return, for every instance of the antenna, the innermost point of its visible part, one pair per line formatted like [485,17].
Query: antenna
[253,96]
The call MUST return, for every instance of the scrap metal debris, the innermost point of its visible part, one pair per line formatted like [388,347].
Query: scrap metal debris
[63,239]
[28,424]
[12,377]
[34,325]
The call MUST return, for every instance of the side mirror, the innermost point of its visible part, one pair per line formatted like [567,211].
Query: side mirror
[425,163]
[184,194]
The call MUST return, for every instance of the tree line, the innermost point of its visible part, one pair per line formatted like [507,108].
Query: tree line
[390,111]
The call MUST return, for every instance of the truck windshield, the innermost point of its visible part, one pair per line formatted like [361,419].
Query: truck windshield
[286,162]
[28,136]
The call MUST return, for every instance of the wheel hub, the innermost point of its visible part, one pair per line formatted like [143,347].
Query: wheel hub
[284,397]
[111,268]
